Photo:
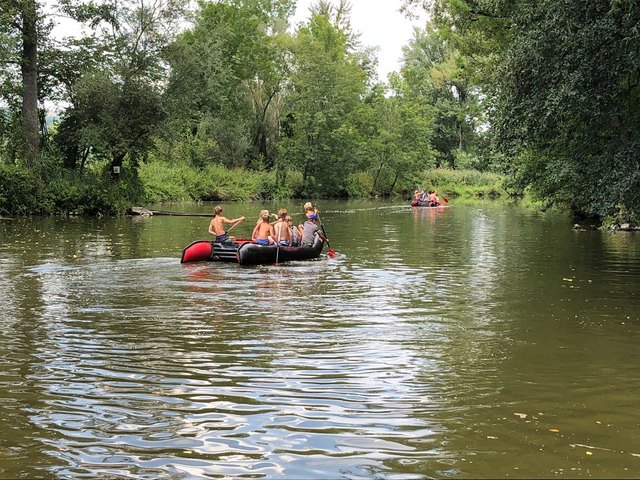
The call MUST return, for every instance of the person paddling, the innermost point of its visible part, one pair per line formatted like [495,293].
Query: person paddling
[432,199]
[216,226]
[309,231]
[309,209]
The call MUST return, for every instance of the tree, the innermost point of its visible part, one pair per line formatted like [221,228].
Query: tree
[561,82]
[326,86]
[436,72]
[227,72]
[398,137]
[19,38]
[116,90]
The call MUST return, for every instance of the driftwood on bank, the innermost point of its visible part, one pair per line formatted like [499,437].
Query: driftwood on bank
[139,211]
[148,213]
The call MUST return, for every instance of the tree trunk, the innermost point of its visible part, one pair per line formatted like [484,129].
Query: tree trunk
[395,180]
[116,165]
[30,122]
[375,180]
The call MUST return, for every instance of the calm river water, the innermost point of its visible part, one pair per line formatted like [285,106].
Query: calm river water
[475,341]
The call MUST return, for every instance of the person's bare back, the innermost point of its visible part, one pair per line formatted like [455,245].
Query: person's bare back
[263,231]
[216,227]
[282,232]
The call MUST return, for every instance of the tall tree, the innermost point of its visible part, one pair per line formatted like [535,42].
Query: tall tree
[19,21]
[434,72]
[571,79]
[226,75]
[117,105]
[327,84]
[561,79]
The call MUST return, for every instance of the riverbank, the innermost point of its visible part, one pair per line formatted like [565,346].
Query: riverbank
[93,193]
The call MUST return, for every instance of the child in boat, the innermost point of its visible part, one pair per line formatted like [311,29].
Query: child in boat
[432,199]
[309,209]
[418,197]
[296,234]
[282,229]
[263,233]
[310,230]
[216,226]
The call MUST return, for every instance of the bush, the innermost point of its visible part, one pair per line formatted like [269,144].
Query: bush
[359,185]
[72,192]
[163,183]
[463,183]
[19,191]
[466,160]
[23,192]
[170,183]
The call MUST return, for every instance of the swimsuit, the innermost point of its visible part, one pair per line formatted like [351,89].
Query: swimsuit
[262,241]
[224,238]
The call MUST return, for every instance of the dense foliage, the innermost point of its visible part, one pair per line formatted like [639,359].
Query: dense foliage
[561,82]
[231,101]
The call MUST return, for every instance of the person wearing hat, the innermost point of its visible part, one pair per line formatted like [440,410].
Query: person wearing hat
[310,229]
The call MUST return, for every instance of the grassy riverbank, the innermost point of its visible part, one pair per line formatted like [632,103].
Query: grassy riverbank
[464,183]
[93,192]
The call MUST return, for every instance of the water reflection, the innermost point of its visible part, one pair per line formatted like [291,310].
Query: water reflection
[440,342]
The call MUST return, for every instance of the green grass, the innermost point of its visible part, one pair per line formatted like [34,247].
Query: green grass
[463,183]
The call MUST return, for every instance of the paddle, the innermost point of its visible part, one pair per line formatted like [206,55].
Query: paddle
[278,244]
[331,252]
[239,221]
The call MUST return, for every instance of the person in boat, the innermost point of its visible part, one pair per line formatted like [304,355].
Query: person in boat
[216,226]
[271,215]
[282,229]
[309,209]
[296,234]
[417,195]
[310,230]
[432,199]
[263,234]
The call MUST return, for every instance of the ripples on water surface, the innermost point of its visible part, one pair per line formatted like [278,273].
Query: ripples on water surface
[461,342]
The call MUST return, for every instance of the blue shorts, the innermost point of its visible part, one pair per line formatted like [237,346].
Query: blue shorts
[284,243]
[261,241]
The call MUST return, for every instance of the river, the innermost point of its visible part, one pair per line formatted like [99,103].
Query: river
[481,340]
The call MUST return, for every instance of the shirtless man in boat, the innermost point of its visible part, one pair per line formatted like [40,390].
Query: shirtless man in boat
[216,227]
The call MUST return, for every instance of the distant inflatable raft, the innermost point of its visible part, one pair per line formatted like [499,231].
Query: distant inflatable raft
[246,252]
[420,203]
